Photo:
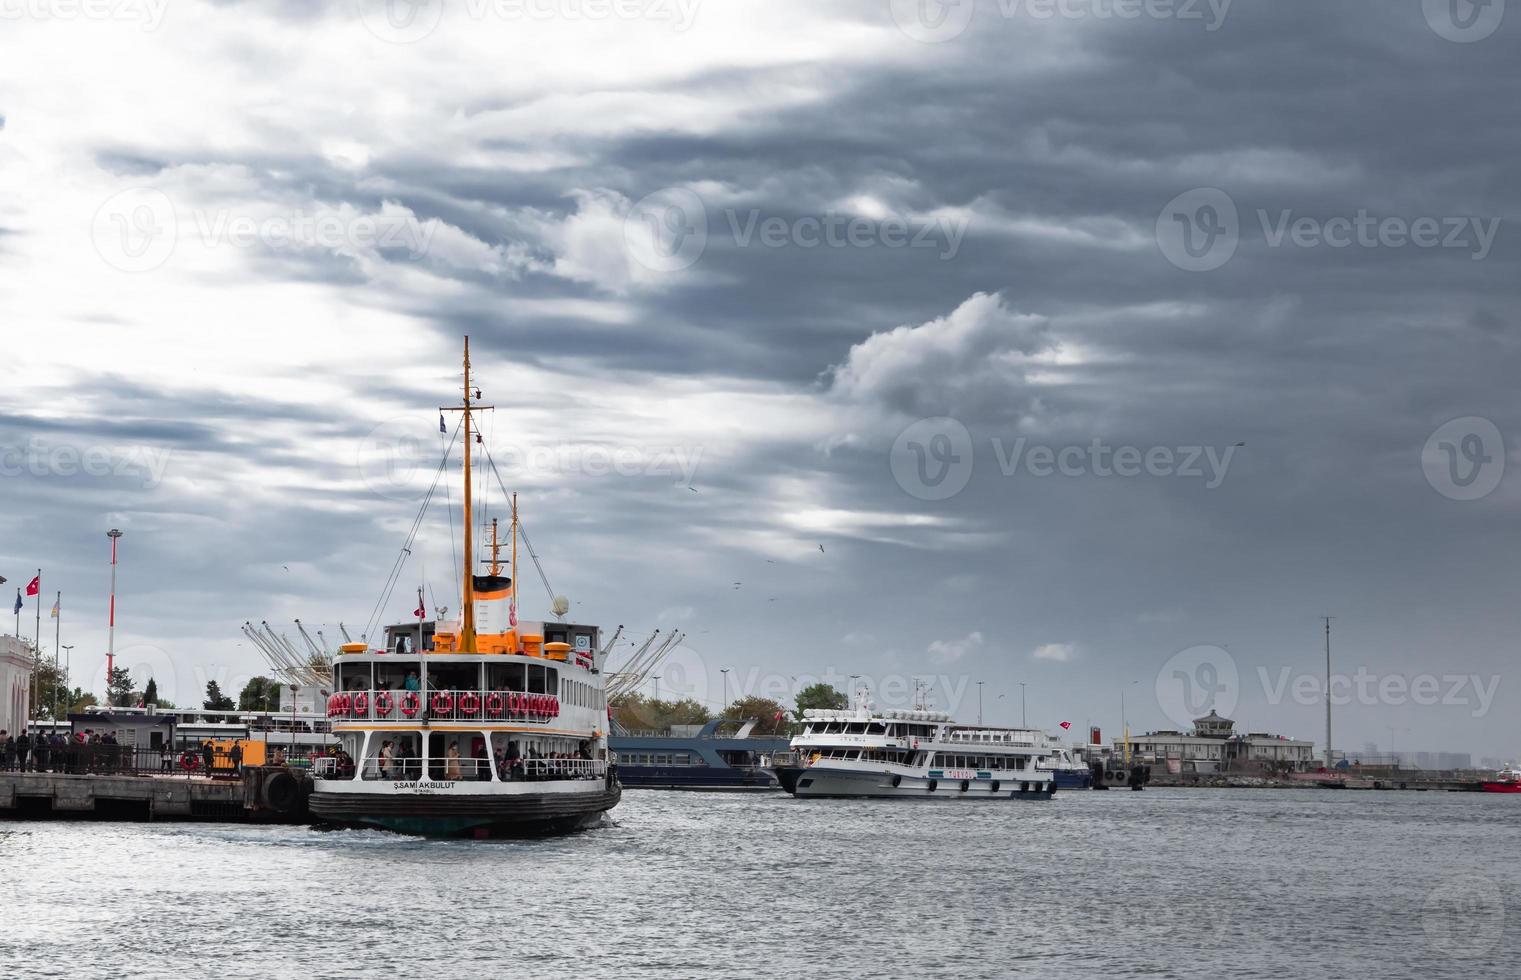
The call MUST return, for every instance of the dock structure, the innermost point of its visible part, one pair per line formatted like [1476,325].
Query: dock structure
[264,794]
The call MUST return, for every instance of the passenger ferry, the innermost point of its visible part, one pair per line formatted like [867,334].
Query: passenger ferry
[720,755]
[915,754]
[483,726]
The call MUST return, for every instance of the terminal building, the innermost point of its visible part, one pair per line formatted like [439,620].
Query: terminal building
[1214,746]
[15,684]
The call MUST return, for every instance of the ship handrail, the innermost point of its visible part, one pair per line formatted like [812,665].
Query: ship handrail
[426,709]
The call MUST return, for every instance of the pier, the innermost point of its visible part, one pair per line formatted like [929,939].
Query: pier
[262,794]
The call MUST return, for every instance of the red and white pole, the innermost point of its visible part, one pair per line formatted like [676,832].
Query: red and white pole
[113,534]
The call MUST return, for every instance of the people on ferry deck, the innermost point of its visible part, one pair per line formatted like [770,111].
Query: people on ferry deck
[387,759]
[412,683]
[500,761]
[451,765]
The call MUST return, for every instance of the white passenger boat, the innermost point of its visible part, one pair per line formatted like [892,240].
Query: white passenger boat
[485,726]
[915,754]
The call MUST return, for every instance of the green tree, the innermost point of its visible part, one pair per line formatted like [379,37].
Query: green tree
[635,712]
[119,687]
[259,694]
[770,717]
[216,700]
[150,693]
[822,696]
[52,688]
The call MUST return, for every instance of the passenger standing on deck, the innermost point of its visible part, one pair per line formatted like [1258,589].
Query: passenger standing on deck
[412,683]
[23,749]
[237,758]
[388,759]
[451,767]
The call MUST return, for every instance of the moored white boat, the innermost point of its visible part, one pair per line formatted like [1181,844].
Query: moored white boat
[916,754]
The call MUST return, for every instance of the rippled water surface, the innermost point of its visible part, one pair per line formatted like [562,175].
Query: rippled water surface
[1293,884]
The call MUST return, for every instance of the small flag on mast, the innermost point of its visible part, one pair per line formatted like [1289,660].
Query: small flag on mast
[56,601]
[441,426]
[1066,725]
[421,610]
[34,586]
[17,610]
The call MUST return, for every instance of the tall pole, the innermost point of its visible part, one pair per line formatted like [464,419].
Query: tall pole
[467,630]
[68,661]
[57,635]
[115,536]
[725,672]
[512,608]
[1024,720]
[979,702]
[1328,689]
[36,648]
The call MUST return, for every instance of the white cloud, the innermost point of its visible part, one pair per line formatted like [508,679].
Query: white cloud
[1059,652]
[950,651]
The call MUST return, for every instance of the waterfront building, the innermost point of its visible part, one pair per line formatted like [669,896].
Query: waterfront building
[15,684]
[1214,746]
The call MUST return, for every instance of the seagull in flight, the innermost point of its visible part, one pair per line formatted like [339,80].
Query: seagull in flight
[821,549]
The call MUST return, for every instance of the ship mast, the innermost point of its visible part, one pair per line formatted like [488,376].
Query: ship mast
[467,618]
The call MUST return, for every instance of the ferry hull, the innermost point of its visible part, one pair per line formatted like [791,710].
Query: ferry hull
[519,815]
[820,783]
[695,778]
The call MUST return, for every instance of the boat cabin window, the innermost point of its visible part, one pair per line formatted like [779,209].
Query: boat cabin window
[392,675]
[523,677]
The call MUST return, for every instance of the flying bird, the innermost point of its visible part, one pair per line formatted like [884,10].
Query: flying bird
[693,489]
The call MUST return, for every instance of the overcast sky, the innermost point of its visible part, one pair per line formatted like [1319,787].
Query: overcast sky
[895,339]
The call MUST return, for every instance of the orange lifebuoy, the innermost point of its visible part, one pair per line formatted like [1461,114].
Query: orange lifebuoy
[469,703]
[494,704]
[332,705]
[554,707]
[442,703]
[361,705]
[410,704]
[188,761]
[384,704]
[515,703]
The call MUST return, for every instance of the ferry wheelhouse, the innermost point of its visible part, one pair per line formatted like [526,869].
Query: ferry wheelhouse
[916,754]
[484,726]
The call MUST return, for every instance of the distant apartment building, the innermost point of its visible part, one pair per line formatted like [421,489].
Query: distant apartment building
[1215,746]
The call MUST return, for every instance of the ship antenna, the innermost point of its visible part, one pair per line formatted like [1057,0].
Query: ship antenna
[467,614]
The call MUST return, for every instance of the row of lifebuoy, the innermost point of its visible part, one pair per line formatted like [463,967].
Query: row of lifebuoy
[497,704]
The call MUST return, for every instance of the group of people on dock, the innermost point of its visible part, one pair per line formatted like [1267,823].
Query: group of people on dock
[56,752]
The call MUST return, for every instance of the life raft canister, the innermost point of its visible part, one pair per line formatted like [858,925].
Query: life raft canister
[410,703]
[442,703]
[494,704]
[384,704]
[468,703]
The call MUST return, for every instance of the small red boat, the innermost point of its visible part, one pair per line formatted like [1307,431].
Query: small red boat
[1508,781]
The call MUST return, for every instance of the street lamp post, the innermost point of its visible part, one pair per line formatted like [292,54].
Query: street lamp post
[656,679]
[68,659]
[725,672]
[115,536]
[979,702]
[1024,720]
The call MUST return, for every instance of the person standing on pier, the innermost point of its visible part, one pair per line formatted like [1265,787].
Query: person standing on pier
[41,751]
[237,758]
[23,749]
[208,755]
[7,751]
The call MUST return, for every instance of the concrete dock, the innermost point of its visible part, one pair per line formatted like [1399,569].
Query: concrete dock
[262,794]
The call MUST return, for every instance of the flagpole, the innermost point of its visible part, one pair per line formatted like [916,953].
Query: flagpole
[57,636]
[114,534]
[36,645]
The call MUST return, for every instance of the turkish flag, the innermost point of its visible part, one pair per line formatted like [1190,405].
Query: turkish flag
[34,586]
[1066,725]
[419,612]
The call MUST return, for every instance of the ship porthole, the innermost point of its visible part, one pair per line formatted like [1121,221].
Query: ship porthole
[932,784]
[965,786]
[896,781]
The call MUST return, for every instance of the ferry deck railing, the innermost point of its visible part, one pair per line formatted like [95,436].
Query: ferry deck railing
[442,704]
[471,770]
[100,758]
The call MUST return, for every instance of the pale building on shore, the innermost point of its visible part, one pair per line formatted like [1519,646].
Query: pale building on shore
[1214,746]
[15,684]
